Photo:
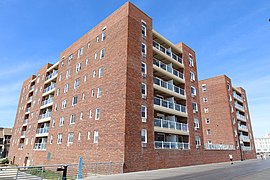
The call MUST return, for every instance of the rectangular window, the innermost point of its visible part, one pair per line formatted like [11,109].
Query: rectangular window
[68,74]
[97,117]
[144,30]
[95,136]
[92,93]
[70,57]
[70,137]
[61,121]
[207,121]
[99,92]
[81,116]
[79,136]
[194,107]
[193,91]
[144,113]
[74,100]
[192,76]
[96,55]
[97,38]
[64,104]
[205,99]
[198,141]
[143,69]
[100,72]
[144,135]
[190,61]
[76,83]
[203,87]
[103,36]
[102,53]
[144,49]
[88,135]
[208,131]
[78,67]
[51,139]
[72,119]
[90,113]
[66,88]
[59,138]
[206,110]
[196,123]
[144,91]
[86,61]
[80,52]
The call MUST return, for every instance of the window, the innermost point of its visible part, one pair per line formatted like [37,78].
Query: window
[191,62]
[90,113]
[80,52]
[193,91]
[70,137]
[100,72]
[58,92]
[102,53]
[198,141]
[192,76]
[62,64]
[208,131]
[103,36]
[196,124]
[78,67]
[144,91]
[51,139]
[68,74]
[72,119]
[53,123]
[55,107]
[94,74]
[74,100]
[97,38]
[88,135]
[86,61]
[83,96]
[144,135]
[209,142]
[70,57]
[76,83]
[203,87]
[92,93]
[230,97]
[195,107]
[97,117]
[96,55]
[81,116]
[99,92]
[143,49]
[62,120]
[144,30]
[79,136]
[144,113]
[205,99]
[207,120]
[60,78]
[228,86]
[59,138]
[85,78]
[95,136]
[65,88]
[64,104]
[88,45]
[143,69]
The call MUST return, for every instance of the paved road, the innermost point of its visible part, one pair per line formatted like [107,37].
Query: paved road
[246,170]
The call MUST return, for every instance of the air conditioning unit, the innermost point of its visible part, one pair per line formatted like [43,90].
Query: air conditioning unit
[194,111]
[143,119]
[143,96]
[144,144]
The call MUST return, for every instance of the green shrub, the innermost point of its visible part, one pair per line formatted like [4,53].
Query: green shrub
[4,161]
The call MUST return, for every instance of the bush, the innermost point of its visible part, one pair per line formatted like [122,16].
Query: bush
[4,161]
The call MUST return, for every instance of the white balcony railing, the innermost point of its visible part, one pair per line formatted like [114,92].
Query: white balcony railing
[23,133]
[21,146]
[168,68]
[43,130]
[46,115]
[170,105]
[246,148]
[162,123]
[40,146]
[168,52]
[52,75]
[32,87]
[52,86]
[239,106]
[219,147]
[47,101]
[169,86]
[242,127]
[244,138]
[27,110]
[171,145]
[241,117]
[25,121]
[30,98]
[237,96]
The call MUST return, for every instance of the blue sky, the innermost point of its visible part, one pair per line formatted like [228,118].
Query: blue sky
[229,37]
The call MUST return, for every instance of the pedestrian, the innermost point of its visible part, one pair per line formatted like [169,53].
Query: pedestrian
[231,158]
[261,156]
[264,156]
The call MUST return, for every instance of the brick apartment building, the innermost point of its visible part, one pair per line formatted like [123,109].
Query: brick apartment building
[225,116]
[121,93]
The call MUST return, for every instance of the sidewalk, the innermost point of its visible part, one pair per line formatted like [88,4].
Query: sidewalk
[171,172]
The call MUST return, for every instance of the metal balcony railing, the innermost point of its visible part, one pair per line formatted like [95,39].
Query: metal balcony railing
[43,130]
[30,98]
[239,106]
[170,105]
[168,68]
[40,146]
[46,115]
[242,127]
[52,75]
[219,147]
[25,121]
[171,145]
[244,138]
[246,148]
[27,110]
[168,52]
[237,96]
[162,123]
[32,87]
[169,86]
[47,101]
[52,86]
[23,133]
[21,146]
[241,117]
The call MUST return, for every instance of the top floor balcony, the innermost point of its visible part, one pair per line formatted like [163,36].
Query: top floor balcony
[237,97]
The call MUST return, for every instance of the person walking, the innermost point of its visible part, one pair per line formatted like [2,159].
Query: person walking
[231,158]
[264,156]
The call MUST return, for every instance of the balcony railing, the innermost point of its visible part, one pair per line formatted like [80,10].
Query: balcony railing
[23,133]
[21,146]
[167,52]
[25,121]
[30,98]
[242,127]
[219,147]
[237,96]
[171,145]
[52,86]
[27,110]
[246,148]
[51,75]
[168,68]
[32,87]
[169,86]
[244,138]
[241,117]
[162,123]
[46,115]
[47,101]
[239,106]
[43,130]
[170,105]
[40,146]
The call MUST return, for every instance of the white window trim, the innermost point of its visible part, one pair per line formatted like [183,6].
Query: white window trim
[144,118]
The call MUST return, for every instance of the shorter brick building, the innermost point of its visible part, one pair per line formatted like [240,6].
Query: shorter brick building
[5,136]
[225,117]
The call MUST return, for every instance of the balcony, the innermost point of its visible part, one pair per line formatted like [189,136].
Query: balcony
[168,53]
[27,110]
[30,99]
[167,126]
[246,148]
[239,107]
[32,88]
[40,146]
[241,117]
[169,71]
[219,147]
[236,96]
[49,89]
[171,145]
[23,133]
[244,138]
[47,102]
[20,146]
[169,107]
[25,121]
[52,75]
[169,88]
[42,131]
[45,117]
[242,128]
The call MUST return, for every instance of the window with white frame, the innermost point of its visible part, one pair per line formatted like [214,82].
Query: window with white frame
[76,83]
[103,36]
[74,100]
[144,91]
[144,136]
[192,76]
[143,69]
[83,96]
[193,91]
[144,30]
[208,131]
[51,139]
[79,136]
[81,116]
[61,121]
[66,88]
[196,123]
[100,72]
[59,138]
[97,117]
[92,92]
[55,107]
[60,77]
[53,123]
[195,107]
[85,78]
[70,137]
[203,87]
[97,38]
[64,104]
[78,67]
[206,110]
[70,57]
[80,52]
[102,53]
[205,99]
[99,92]
[68,74]
[90,113]
[144,49]
[88,135]
[190,61]
[96,55]
[86,62]
[207,120]
[72,119]
[144,113]
[95,136]
[198,141]
[58,92]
